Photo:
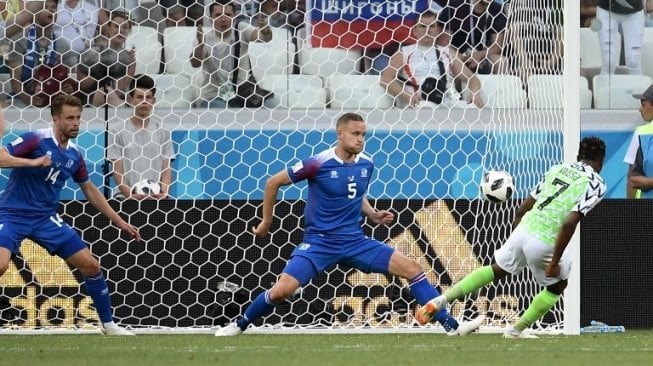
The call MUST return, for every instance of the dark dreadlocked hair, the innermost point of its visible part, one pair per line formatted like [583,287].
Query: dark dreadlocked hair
[591,148]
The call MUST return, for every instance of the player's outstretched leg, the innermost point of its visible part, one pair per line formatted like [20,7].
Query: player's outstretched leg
[423,291]
[261,306]
[472,282]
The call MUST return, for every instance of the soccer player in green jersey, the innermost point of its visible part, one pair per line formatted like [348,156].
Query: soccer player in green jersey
[544,224]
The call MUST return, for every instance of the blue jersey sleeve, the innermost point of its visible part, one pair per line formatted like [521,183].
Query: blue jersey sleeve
[81,174]
[24,145]
[305,169]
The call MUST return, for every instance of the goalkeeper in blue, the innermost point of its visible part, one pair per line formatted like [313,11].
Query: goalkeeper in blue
[43,161]
[338,179]
[544,223]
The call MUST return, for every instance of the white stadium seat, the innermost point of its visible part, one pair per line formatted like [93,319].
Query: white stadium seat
[546,91]
[148,49]
[178,44]
[590,53]
[502,91]
[616,91]
[328,61]
[296,91]
[357,92]
[174,91]
[274,57]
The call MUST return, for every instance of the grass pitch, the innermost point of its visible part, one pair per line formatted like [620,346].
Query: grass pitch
[635,347]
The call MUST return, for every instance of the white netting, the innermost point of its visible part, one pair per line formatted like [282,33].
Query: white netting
[199,267]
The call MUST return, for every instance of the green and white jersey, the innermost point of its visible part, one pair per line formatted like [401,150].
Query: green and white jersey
[565,188]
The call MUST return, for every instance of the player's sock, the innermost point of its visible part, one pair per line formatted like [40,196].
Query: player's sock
[423,293]
[540,305]
[473,281]
[261,306]
[97,288]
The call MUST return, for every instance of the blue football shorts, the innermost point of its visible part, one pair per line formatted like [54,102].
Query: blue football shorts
[48,231]
[318,252]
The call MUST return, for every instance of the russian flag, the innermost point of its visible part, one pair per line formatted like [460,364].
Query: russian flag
[361,23]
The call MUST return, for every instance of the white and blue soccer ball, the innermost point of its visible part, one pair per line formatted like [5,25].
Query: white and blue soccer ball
[497,186]
[147,187]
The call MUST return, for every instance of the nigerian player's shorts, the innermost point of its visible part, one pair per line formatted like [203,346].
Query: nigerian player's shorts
[524,249]
[48,231]
[360,252]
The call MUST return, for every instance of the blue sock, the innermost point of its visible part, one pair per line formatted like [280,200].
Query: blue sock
[97,288]
[423,293]
[260,307]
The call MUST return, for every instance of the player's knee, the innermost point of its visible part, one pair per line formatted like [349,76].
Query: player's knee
[90,268]
[558,288]
[280,293]
[413,268]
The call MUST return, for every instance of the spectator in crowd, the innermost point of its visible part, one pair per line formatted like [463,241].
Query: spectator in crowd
[214,53]
[533,40]
[630,17]
[477,32]
[427,71]
[107,67]
[75,28]
[16,15]
[36,71]
[639,155]
[587,12]
[140,148]
[182,12]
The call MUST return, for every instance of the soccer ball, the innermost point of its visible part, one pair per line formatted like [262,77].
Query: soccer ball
[146,186]
[497,186]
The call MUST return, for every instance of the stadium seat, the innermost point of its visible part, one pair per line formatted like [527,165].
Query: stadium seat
[274,57]
[502,91]
[546,91]
[585,93]
[616,91]
[647,52]
[328,61]
[357,91]
[174,91]
[148,49]
[296,91]
[590,53]
[178,43]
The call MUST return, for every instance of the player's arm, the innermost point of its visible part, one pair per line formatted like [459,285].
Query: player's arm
[377,216]
[98,201]
[272,186]
[524,207]
[9,161]
[562,240]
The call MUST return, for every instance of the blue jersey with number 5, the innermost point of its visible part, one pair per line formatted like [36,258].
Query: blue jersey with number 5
[335,192]
[34,190]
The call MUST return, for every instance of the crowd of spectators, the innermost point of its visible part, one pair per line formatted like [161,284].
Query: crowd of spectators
[80,44]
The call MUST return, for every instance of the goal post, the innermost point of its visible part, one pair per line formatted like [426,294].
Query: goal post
[199,266]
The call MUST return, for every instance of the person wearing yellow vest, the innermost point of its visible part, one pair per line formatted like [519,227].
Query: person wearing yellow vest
[639,155]
[16,15]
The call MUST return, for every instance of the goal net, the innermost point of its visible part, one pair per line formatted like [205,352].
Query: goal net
[199,266]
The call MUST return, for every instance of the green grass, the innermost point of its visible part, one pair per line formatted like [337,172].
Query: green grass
[630,348]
